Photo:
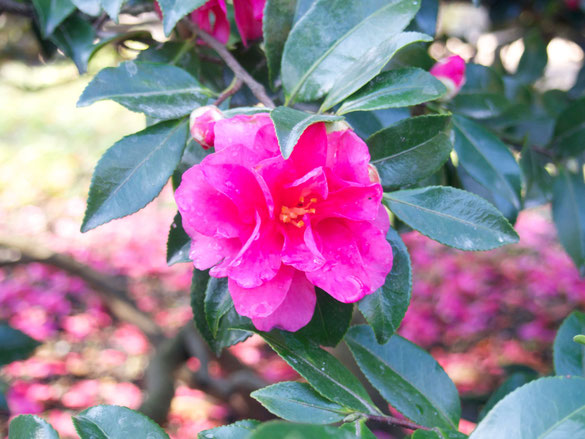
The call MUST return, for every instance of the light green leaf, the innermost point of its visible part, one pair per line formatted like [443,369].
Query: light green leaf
[568,356]
[237,430]
[31,427]
[133,172]
[277,22]
[395,89]
[407,377]
[452,217]
[90,7]
[112,8]
[368,66]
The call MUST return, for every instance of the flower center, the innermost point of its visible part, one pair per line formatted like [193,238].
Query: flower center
[294,215]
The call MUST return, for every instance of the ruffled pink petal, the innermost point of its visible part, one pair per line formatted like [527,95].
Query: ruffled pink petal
[452,69]
[212,18]
[263,300]
[300,249]
[207,251]
[249,14]
[312,184]
[344,275]
[259,259]
[254,132]
[359,203]
[310,152]
[348,156]
[205,210]
[295,311]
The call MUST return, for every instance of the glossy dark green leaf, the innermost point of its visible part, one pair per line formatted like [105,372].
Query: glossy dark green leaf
[385,309]
[51,14]
[285,430]
[112,8]
[438,433]
[237,430]
[133,172]
[290,124]
[115,422]
[178,242]
[217,302]
[90,7]
[408,378]
[411,150]
[15,345]
[174,10]
[75,38]
[426,18]
[569,138]
[534,59]
[568,208]
[31,427]
[538,182]
[452,217]
[479,105]
[568,356]
[481,79]
[199,283]
[514,381]
[394,89]
[487,159]
[322,370]
[358,429]
[547,408]
[330,320]
[157,90]
[298,402]
[332,35]
[367,66]
[278,20]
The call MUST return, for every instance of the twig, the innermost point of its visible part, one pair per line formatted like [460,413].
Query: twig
[241,73]
[396,421]
[231,90]
[17,8]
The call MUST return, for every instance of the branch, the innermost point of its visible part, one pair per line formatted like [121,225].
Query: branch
[241,73]
[16,8]
[231,90]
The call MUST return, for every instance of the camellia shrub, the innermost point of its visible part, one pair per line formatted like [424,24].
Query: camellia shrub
[301,138]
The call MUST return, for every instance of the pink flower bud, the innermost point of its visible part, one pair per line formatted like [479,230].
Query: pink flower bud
[249,15]
[451,72]
[212,18]
[201,124]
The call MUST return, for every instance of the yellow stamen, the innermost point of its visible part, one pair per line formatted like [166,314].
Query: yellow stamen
[290,214]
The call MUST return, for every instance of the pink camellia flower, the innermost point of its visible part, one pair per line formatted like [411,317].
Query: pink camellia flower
[249,15]
[572,4]
[451,72]
[201,125]
[277,228]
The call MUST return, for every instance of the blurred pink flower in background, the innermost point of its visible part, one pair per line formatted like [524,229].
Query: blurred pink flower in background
[451,72]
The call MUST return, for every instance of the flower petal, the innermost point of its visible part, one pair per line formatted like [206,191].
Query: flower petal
[254,132]
[300,249]
[348,156]
[207,251]
[310,152]
[261,301]
[359,203]
[295,311]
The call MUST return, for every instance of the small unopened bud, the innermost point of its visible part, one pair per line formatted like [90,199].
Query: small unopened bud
[451,72]
[373,173]
[201,124]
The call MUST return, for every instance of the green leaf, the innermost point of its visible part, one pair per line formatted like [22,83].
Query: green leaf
[368,66]
[112,8]
[15,345]
[285,430]
[174,10]
[217,302]
[546,408]
[237,430]
[330,320]
[487,159]
[133,172]
[568,356]
[452,217]
[568,208]
[31,427]
[290,124]
[322,370]
[395,89]
[51,14]
[410,150]
[407,377]
[114,422]
[331,36]
[385,309]
[569,138]
[538,180]
[157,90]
[479,105]
[178,242]
[514,381]
[90,7]
[358,429]
[277,22]
[298,402]
[75,38]
[4,409]
[534,59]
[426,18]
[438,433]
[481,79]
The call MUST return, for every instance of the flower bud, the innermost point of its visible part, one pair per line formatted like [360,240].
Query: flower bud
[451,72]
[373,174]
[201,125]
